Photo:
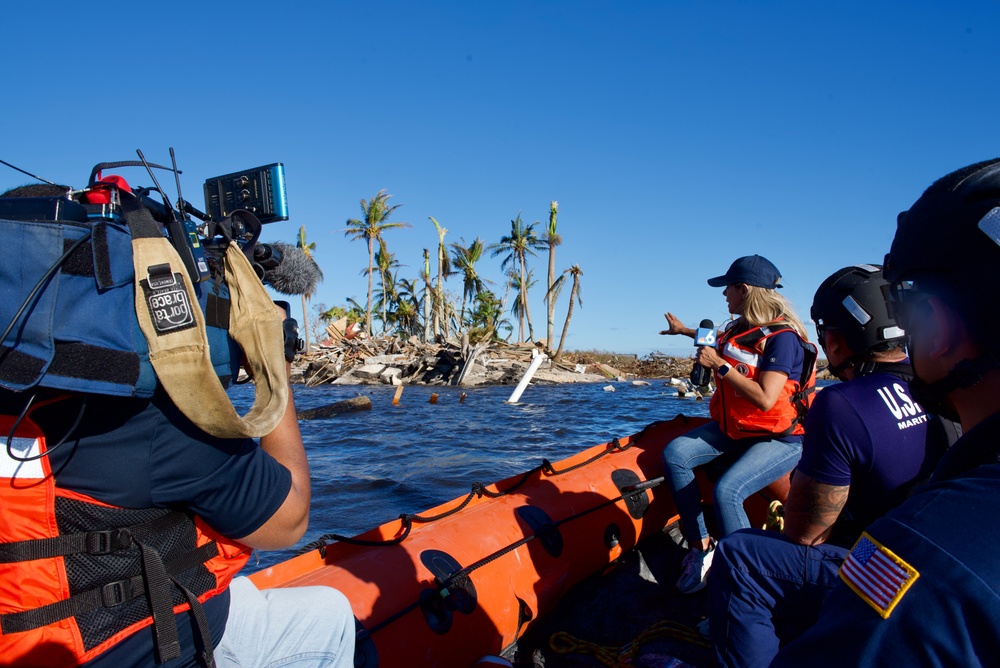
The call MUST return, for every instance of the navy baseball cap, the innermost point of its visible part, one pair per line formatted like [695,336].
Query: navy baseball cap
[751,270]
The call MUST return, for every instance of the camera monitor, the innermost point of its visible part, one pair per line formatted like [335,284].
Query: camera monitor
[260,190]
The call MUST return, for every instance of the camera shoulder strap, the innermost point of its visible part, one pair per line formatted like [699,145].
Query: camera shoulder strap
[174,328]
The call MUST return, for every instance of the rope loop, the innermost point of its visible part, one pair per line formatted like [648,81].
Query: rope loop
[621,657]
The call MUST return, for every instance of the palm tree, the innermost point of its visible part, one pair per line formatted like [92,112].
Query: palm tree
[444,270]
[465,259]
[426,276]
[386,262]
[486,316]
[407,307]
[376,217]
[307,250]
[551,239]
[521,242]
[574,295]
[520,307]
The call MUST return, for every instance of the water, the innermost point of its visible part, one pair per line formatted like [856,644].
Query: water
[369,467]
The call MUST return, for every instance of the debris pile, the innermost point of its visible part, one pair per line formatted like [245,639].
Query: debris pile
[359,360]
[392,361]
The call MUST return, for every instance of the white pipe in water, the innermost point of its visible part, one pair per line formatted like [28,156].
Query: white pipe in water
[536,361]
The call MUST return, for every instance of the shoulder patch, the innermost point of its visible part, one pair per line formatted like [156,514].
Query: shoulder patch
[877,575]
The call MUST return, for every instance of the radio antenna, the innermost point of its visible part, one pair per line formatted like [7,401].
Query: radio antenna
[166,200]
[185,243]
[28,173]
[177,180]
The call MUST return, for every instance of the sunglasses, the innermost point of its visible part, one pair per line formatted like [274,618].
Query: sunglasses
[906,300]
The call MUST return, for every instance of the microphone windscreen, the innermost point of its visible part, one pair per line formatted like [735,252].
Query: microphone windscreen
[296,274]
[707,324]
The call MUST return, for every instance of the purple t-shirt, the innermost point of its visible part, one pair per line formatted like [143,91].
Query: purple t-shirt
[868,434]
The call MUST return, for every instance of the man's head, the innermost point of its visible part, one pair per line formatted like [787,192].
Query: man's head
[853,321]
[943,266]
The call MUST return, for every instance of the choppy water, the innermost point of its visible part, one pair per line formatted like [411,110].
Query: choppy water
[369,467]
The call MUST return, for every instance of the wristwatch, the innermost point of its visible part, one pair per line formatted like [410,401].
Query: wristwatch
[723,370]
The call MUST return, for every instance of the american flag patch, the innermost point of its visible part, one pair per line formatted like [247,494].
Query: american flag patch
[877,575]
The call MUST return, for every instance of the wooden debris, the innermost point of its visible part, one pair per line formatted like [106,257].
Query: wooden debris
[351,405]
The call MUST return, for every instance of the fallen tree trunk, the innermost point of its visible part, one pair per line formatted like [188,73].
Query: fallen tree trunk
[351,405]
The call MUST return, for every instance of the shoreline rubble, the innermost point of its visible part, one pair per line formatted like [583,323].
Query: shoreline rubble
[391,361]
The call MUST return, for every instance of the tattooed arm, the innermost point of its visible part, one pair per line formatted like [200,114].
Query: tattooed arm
[812,508]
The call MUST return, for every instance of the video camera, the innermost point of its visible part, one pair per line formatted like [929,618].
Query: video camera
[70,274]
[237,205]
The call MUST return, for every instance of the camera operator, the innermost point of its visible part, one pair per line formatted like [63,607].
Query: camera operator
[140,475]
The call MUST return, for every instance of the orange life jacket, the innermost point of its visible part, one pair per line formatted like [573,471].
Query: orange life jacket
[74,572]
[735,415]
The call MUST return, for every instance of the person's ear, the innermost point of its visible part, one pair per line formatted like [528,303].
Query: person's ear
[942,333]
[833,344]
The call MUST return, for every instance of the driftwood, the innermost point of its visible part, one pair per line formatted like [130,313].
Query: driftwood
[351,405]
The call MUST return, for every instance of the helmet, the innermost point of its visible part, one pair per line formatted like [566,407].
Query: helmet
[950,240]
[951,232]
[853,301]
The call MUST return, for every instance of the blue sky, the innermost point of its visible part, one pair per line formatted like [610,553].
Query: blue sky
[676,136]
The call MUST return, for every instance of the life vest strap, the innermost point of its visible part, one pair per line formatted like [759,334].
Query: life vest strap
[89,542]
[109,595]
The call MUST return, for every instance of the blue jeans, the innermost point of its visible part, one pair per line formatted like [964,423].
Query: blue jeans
[304,627]
[764,591]
[761,463]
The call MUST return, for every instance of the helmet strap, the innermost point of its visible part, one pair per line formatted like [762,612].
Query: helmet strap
[965,374]
[903,370]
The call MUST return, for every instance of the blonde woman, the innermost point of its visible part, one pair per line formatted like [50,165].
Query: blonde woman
[764,375]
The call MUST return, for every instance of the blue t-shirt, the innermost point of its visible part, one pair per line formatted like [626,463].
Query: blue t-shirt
[870,435]
[783,352]
[146,454]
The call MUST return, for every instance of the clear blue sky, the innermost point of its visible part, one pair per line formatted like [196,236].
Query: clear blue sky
[676,136]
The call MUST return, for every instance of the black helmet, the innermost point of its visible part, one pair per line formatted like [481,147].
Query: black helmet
[950,241]
[952,232]
[853,301]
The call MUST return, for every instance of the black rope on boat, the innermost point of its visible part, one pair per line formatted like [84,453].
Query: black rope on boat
[460,577]
[463,574]
[321,542]
[479,490]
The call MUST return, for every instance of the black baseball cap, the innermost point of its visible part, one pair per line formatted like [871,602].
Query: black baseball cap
[751,270]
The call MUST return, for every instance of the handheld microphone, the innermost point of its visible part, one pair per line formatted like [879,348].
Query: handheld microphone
[703,336]
[286,268]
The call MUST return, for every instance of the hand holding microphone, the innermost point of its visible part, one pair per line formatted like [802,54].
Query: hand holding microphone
[704,337]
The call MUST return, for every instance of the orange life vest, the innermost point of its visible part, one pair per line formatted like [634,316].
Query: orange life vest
[74,572]
[735,415]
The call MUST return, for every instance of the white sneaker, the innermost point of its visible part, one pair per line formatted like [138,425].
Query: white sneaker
[695,574]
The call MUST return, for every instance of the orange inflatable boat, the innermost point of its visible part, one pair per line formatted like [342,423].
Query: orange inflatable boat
[467,578]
